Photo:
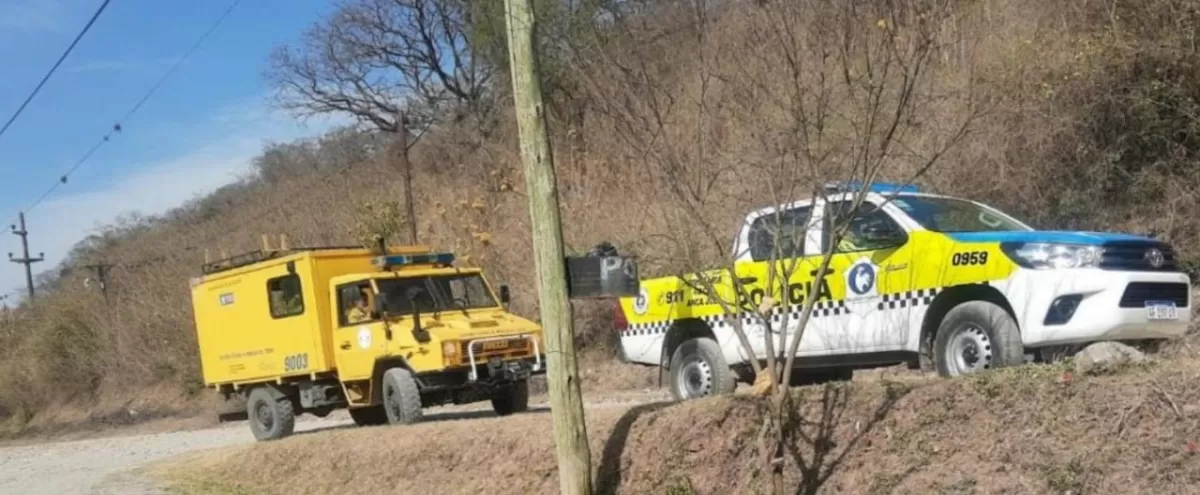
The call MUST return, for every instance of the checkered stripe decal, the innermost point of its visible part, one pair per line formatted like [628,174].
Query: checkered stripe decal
[638,329]
[912,298]
[822,309]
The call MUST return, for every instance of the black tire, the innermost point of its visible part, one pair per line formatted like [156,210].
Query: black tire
[698,369]
[511,399]
[271,418]
[976,336]
[924,361]
[401,397]
[369,416]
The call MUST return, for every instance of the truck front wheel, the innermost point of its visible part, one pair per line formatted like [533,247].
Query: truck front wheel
[271,417]
[401,397]
[976,336]
[698,369]
[513,398]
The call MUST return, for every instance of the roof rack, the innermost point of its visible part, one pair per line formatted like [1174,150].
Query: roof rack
[238,261]
[267,253]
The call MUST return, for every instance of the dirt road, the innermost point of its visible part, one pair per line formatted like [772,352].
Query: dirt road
[105,465]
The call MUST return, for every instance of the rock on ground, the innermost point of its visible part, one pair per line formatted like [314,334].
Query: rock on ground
[1105,357]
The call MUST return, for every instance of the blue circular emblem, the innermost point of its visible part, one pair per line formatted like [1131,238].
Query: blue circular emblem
[861,279]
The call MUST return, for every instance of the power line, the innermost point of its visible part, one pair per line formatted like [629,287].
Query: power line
[116,128]
[54,68]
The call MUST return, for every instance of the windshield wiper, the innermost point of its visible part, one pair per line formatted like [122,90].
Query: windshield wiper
[433,298]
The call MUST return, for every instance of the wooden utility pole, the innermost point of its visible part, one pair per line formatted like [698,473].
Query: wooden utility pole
[25,259]
[406,169]
[566,402]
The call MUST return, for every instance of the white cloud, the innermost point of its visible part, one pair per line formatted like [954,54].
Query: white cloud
[64,219]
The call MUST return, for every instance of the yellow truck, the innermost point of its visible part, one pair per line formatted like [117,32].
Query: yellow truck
[383,333]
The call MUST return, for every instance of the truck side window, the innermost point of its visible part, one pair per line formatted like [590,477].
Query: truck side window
[870,228]
[284,296]
[787,230]
[349,296]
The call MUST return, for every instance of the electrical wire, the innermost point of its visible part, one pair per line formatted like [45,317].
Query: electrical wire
[118,127]
[53,69]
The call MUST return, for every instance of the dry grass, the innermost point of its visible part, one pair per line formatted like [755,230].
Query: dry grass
[1020,430]
[1091,125]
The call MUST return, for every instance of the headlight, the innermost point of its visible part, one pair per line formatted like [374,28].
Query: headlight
[1046,256]
[450,352]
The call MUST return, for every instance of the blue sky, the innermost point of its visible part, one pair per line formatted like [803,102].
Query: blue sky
[199,131]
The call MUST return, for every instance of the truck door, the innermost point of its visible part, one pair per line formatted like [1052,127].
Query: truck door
[873,276]
[358,336]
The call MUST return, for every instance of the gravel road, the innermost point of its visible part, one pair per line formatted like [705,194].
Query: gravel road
[105,465]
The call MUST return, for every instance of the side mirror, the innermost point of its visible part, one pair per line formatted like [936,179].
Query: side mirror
[380,305]
[505,297]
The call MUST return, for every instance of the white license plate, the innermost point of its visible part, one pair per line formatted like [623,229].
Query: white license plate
[1161,310]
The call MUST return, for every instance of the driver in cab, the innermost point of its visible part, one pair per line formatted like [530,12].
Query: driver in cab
[361,310]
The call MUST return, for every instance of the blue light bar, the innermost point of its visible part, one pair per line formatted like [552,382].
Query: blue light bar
[394,260]
[877,187]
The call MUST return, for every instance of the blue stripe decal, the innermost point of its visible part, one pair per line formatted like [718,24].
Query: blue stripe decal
[1066,237]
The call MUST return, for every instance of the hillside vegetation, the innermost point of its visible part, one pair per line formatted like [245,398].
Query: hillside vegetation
[666,115]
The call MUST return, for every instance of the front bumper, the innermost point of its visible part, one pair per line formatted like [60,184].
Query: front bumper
[1111,305]
[502,370]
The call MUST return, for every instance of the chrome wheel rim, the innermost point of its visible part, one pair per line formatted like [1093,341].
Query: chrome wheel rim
[695,378]
[969,350]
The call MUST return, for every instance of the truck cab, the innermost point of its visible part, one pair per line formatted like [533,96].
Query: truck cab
[919,278]
[383,335]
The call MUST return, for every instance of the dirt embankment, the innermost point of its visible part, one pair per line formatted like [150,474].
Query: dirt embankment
[1021,430]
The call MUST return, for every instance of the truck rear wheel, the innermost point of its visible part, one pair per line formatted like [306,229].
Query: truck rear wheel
[401,397]
[271,417]
[976,336]
[511,399]
[698,369]
[369,416]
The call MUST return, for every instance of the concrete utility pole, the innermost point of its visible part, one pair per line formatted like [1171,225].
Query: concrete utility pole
[566,402]
[25,259]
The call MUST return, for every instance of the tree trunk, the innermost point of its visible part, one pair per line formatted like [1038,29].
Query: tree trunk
[778,403]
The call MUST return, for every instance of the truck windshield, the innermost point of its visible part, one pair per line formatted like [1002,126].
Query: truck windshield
[436,293]
[955,215]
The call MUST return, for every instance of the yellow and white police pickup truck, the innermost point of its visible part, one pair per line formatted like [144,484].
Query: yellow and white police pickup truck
[920,278]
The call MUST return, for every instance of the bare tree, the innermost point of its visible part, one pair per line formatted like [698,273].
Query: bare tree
[397,66]
[382,60]
[835,91]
